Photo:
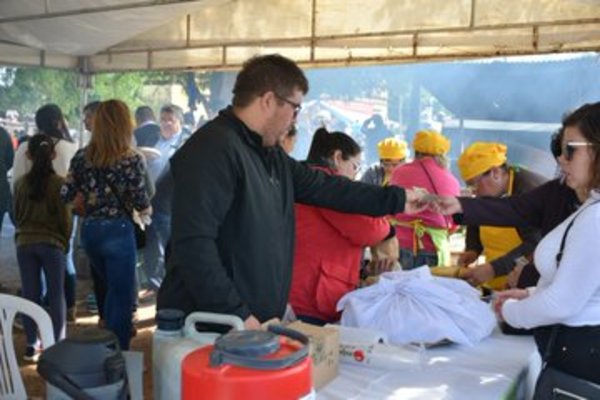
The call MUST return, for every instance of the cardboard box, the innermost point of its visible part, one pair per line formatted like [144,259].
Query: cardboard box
[324,350]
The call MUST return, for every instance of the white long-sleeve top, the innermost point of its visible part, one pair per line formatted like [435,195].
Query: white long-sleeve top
[64,150]
[569,294]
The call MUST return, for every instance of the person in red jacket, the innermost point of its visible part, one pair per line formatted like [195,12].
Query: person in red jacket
[329,244]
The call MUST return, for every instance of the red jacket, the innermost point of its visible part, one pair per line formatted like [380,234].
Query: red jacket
[327,257]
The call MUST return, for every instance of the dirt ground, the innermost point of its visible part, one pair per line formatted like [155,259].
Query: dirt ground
[10,282]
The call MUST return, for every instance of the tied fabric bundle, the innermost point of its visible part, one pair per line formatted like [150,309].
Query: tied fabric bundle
[413,306]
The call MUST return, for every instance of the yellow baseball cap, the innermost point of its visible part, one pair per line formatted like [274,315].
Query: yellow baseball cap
[431,142]
[479,158]
[392,149]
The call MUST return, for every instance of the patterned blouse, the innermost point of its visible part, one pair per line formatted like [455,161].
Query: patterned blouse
[97,184]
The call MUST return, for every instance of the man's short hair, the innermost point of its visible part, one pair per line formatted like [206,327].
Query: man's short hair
[91,106]
[262,74]
[143,114]
[173,109]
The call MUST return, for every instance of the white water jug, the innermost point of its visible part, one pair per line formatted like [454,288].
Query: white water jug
[174,339]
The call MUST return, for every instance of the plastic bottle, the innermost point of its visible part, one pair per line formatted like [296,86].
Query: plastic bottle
[173,340]
[365,346]
[380,355]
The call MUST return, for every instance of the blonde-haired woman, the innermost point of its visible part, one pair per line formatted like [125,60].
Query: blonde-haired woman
[110,175]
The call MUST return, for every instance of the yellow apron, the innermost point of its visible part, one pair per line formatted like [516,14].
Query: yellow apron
[497,242]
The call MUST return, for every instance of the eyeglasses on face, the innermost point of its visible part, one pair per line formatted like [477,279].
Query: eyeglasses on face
[296,106]
[569,148]
[387,163]
[473,183]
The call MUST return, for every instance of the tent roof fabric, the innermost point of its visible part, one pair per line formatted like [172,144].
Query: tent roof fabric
[120,35]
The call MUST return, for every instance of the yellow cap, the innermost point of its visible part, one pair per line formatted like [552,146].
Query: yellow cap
[431,142]
[479,158]
[392,149]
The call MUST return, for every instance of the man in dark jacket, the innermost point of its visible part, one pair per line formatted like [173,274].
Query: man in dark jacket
[234,194]
[147,132]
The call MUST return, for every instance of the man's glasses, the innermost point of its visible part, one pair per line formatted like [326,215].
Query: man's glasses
[296,106]
[355,165]
[385,163]
[474,183]
[569,148]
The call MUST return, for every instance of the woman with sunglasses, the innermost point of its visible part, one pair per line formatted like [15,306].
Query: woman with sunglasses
[568,292]
[329,243]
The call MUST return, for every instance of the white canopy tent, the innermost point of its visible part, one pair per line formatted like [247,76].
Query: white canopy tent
[118,35]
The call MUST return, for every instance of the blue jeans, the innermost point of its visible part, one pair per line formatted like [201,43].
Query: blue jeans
[157,236]
[110,245]
[33,259]
[70,273]
[409,260]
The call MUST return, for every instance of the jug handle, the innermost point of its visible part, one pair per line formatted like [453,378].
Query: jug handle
[206,317]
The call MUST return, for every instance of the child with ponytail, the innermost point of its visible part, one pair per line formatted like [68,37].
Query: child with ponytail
[43,228]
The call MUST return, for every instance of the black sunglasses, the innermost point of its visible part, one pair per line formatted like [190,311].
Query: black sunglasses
[570,147]
[568,150]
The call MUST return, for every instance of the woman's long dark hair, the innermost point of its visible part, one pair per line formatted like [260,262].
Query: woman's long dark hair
[50,120]
[41,150]
[325,143]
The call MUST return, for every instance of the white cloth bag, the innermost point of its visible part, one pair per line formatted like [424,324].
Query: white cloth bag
[416,307]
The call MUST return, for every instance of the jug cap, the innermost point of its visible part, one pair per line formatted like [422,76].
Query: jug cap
[248,343]
[247,348]
[169,319]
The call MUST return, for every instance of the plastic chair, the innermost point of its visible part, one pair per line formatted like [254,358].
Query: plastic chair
[11,383]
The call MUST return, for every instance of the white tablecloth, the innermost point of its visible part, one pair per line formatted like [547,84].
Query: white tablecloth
[484,371]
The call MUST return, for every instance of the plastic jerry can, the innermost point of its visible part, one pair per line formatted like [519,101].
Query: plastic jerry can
[250,365]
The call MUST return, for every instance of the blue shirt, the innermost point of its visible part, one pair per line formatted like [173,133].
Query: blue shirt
[167,148]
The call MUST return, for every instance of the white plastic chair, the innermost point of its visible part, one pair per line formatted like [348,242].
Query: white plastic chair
[11,383]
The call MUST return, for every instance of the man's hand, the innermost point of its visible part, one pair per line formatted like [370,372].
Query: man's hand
[447,205]
[251,323]
[415,200]
[513,277]
[467,257]
[385,255]
[479,274]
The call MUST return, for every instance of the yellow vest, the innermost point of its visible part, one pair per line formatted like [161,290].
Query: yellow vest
[497,241]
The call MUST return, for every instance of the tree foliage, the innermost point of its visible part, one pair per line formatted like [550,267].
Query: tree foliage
[26,89]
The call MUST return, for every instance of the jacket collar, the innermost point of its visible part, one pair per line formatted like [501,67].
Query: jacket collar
[249,136]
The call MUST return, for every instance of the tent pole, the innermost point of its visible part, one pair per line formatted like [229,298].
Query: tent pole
[85,83]
[313,29]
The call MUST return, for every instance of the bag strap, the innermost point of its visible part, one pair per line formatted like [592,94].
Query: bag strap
[113,190]
[435,190]
[558,258]
[119,199]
